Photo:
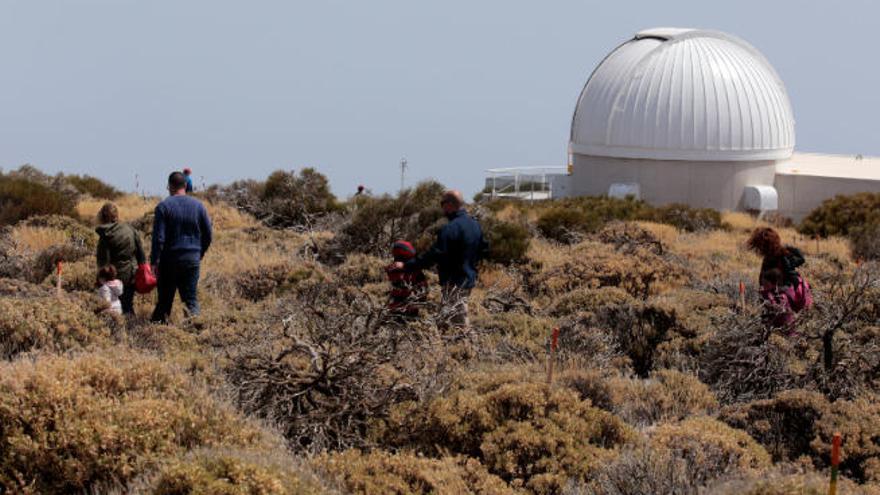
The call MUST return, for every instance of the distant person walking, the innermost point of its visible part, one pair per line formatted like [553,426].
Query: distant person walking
[120,246]
[457,252]
[187,172]
[181,237]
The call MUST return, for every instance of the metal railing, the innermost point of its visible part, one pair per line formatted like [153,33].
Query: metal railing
[513,178]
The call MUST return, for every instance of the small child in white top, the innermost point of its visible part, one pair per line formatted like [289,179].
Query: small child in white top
[110,288]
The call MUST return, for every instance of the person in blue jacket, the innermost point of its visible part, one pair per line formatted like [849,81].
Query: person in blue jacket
[181,237]
[457,252]
[187,172]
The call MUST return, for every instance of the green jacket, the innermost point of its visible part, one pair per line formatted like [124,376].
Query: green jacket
[119,244]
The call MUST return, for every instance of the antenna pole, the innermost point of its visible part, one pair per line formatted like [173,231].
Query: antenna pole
[402,173]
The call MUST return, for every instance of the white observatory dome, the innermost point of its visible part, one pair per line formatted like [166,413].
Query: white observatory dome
[684,94]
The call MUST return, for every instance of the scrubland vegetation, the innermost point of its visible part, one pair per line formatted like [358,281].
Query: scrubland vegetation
[293,381]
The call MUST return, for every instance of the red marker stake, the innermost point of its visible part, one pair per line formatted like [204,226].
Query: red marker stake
[58,278]
[554,343]
[742,295]
[835,461]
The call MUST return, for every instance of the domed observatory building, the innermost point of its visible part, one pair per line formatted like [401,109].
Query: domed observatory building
[683,115]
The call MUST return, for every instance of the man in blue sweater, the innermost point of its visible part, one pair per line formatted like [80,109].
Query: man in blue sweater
[181,237]
[457,251]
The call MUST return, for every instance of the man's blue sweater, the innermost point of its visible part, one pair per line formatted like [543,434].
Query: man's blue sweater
[181,230]
[459,248]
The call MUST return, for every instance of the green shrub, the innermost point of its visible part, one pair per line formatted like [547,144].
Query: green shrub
[405,473]
[93,186]
[71,424]
[376,222]
[285,199]
[21,199]
[840,214]
[686,217]
[508,242]
[565,224]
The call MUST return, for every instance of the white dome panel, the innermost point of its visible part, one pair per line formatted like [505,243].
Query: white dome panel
[677,94]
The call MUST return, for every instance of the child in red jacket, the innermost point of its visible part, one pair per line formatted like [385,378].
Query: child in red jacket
[409,289]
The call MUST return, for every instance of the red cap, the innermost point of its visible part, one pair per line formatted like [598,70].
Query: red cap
[402,250]
[187,170]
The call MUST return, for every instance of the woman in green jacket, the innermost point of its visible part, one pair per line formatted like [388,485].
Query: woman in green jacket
[120,245]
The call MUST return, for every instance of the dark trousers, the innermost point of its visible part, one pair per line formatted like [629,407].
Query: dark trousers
[178,276]
[127,298]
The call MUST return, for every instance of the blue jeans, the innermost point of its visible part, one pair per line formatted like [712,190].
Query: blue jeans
[177,276]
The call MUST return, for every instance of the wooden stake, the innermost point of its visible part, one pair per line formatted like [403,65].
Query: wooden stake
[58,271]
[554,343]
[835,461]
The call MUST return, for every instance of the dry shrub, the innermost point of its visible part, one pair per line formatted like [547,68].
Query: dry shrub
[858,422]
[630,238]
[331,368]
[800,423]
[527,433]
[667,396]
[46,262]
[587,300]
[594,264]
[566,225]
[225,217]
[50,323]
[745,361]
[405,473]
[779,482]
[646,471]
[258,283]
[213,471]
[77,276]
[637,329]
[713,447]
[71,424]
[11,287]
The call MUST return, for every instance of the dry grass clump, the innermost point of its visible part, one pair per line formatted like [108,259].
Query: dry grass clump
[405,474]
[226,217]
[529,434]
[647,471]
[223,471]
[587,300]
[520,333]
[131,207]
[76,276]
[71,424]
[78,233]
[361,269]
[49,323]
[36,239]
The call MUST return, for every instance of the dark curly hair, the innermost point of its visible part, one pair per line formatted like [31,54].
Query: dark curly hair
[766,242]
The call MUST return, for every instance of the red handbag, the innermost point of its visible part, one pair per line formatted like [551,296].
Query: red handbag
[144,280]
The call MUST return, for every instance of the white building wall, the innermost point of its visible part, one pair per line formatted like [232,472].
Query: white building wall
[716,185]
[800,194]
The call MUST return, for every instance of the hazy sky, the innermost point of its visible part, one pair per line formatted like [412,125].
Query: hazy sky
[115,88]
